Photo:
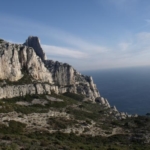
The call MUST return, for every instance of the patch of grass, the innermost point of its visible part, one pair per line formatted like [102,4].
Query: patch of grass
[87,111]
[9,146]
[27,98]
[9,104]
[67,100]
[31,109]
[6,109]
[1,40]
[74,96]
[26,79]
[82,115]
[13,128]
[60,123]
[73,142]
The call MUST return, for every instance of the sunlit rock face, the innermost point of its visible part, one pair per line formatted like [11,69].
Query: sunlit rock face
[29,58]
[10,67]
[65,75]
[16,59]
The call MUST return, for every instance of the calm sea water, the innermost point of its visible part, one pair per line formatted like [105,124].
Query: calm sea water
[128,89]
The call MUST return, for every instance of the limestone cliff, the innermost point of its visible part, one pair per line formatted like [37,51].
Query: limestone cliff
[16,60]
[66,75]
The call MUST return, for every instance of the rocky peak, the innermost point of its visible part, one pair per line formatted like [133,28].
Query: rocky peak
[34,42]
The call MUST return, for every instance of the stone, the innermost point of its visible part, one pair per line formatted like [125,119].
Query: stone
[39,101]
[53,99]
[114,108]
[23,103]
[34,42]
[102,101]
[107,103]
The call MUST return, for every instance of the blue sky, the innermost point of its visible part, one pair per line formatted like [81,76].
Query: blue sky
[88,34]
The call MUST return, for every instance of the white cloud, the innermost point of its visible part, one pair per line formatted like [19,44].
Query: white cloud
[76,42]
[55,50]
[124,46]
[24,26]
[148,21]
[144,37]
[123,2]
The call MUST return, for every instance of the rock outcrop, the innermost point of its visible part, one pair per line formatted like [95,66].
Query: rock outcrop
[103,101]
[10,91]
[16,60]
[65,75]
[34,42]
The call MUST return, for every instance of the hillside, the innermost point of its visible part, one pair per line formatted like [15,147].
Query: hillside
[49,105]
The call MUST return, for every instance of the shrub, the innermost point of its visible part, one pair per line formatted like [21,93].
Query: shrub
[74,96]
[13,128]
[1,40]
[60,123]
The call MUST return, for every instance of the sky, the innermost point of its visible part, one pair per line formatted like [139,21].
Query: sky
[87,34]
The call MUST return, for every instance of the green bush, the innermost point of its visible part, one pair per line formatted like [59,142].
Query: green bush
[74,96]
[13,128]
[83,115]
[26,79]
[60,123]
[11,146]
[1,40]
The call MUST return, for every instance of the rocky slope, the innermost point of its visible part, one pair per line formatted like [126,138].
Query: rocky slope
[49,105]
[66,121]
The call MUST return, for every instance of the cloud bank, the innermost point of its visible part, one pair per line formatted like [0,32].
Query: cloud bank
[82,54]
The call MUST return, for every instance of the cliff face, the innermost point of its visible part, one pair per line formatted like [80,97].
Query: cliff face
[8,91]
[16,60]
[65,75]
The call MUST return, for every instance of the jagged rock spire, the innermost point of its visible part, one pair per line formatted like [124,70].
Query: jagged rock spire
[34,42]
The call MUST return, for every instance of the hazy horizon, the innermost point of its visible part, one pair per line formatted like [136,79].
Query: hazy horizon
[126,88]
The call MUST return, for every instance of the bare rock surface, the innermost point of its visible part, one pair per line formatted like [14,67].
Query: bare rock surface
[23,103]
[39,101]
[53,99]
[65,75]
[11,91]
[34,119]
[18,60]
[34,42]
[39,121]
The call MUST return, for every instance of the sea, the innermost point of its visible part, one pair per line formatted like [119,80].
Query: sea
[126,88]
